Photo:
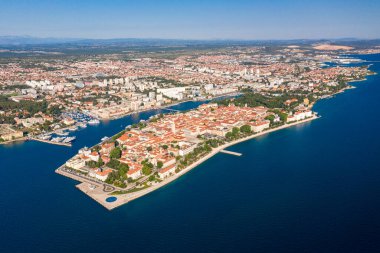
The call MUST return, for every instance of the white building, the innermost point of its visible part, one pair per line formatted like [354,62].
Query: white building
[134,173]
[167,171]
[299,115]
[159,97]
[176,92]
[76,163]
[185,148]
[102,174]
[291,118]
[259,126]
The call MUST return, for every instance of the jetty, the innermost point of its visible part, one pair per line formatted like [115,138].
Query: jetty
[230,152]
[67,144]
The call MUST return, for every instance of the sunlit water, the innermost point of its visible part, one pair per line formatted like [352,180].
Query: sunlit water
[310,188]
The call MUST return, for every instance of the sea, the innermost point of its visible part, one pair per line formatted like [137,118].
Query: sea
[314,187]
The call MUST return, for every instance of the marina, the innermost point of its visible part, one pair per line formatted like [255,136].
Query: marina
[59,137]
[52,141]
[94,122]
[63,136]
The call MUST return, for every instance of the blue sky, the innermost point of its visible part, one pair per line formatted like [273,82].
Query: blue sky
[196,19]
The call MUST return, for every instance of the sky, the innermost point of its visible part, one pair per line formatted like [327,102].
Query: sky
[191,19]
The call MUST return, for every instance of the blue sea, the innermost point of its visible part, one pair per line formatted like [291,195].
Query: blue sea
[314,187]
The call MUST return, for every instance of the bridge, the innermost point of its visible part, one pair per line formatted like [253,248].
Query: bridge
[172,110]
[230,152]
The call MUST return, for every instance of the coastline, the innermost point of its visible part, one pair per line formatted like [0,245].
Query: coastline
[163,107]
[125,198]
[13,141]
[167,106]
[142,110]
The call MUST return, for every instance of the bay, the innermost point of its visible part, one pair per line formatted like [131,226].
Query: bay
[314,187]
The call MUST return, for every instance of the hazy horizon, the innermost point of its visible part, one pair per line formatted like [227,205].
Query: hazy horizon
[182,38]
[191,20]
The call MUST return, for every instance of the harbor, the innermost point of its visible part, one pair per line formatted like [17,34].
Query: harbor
[59,137]
[53,141]
[62,136]
[271,179]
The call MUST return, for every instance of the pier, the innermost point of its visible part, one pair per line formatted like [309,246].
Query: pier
[230,152]
[50,142]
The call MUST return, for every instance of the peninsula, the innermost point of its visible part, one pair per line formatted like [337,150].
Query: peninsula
[151,154]
[268,88]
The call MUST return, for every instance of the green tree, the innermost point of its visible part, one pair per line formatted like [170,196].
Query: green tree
[91,164]
[270,118]
[159,164]
[146,170]
[283,116]
[235,131]
[112,177]
[207,148]
[245,129]
[100,162]
[229,135]
[123,168]
[115,153]
[113,163]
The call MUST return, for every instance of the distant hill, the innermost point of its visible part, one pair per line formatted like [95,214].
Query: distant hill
[29,40]
[22,41]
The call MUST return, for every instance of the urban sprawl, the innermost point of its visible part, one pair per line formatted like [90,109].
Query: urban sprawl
[263,89]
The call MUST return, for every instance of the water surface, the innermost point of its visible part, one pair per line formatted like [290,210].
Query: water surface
[310,188]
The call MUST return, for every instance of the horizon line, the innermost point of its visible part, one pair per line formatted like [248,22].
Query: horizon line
[184,39]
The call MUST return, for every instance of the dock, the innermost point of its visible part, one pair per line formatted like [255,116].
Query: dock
[230,152]
[50,142]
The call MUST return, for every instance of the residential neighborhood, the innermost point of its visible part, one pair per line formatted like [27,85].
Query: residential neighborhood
[151,151]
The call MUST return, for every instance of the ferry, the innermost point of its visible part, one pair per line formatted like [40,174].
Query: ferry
[69,139]
[62,133]
[45,137]
[104,138]
[57,139]
[94,122]
[82,124]
[348,60]
[73,128]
